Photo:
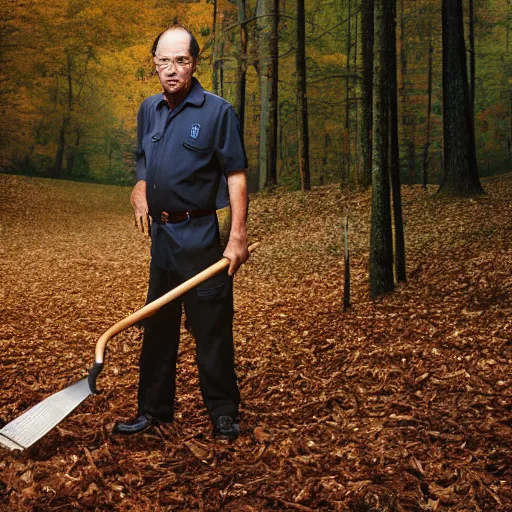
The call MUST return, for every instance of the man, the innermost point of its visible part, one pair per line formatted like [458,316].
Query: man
[190,155]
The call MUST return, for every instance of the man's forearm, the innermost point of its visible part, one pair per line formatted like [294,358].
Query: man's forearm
[239,199]
[236,250]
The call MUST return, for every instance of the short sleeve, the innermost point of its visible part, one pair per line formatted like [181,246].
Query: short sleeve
[229,142]
[140,156]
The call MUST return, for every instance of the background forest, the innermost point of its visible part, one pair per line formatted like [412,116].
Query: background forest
[74,72]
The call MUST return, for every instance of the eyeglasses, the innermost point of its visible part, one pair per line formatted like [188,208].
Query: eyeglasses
[164,62]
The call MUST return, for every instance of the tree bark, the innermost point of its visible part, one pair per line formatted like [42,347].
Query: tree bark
[381,237]
[429,107]
[367,38]
[241,77]
[509,138]
[345,174]
[274,95]
[472,65]
[61,142]
[221,69]
[356,113]
[71,153]
[302,101]
[411,146]
[406,131]
[268,69]
[394,166]
[215,52]
[459,136]
[214,49]
[509,142]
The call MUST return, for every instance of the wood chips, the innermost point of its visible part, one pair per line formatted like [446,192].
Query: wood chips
[397,404]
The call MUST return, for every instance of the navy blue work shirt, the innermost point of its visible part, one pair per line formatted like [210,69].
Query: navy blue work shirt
[184,156]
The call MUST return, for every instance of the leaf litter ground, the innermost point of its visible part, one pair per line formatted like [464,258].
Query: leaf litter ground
[397,404]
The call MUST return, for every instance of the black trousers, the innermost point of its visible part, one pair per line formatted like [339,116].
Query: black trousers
[209,311]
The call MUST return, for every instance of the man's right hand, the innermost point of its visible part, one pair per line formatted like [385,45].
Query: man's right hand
[140,207]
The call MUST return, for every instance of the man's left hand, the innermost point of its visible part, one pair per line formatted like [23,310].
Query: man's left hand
[237,253]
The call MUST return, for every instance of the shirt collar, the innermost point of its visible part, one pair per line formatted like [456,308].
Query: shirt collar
[195,96]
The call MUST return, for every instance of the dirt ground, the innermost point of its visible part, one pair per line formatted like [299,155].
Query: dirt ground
[397,404]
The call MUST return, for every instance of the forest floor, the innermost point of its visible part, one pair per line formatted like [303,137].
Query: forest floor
[397,404]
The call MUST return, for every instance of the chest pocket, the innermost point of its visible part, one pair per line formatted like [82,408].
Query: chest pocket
[200,147]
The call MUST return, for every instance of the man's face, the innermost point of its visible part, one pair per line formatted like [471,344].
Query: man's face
[174,49]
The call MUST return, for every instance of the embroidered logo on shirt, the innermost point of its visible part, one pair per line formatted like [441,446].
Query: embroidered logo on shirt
[194,131]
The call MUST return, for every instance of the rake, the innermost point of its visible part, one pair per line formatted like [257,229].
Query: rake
[33,424]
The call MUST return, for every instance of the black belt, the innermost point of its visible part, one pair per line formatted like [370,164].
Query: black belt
[176,217]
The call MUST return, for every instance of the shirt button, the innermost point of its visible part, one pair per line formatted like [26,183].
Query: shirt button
[154,186]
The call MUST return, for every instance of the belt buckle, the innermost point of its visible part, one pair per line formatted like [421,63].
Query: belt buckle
[164,217]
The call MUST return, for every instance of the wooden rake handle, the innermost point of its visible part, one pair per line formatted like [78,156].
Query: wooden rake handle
[149,310]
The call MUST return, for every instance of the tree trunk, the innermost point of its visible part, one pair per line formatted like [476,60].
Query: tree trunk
[509,138]
[472,67]
[268,68]
[429,107]
[346,131]
[367,38]
[406,132]
[510,130]
[110,152]
[381,237]
[283,146]
[61,143]
[274,94]
[72,151]
[412,151]
[356,113]
[215,51]
[241,77]
[221,68]
[302,101]
[394,166]
[459,135]
[509,141]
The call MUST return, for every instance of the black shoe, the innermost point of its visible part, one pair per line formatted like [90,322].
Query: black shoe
[136,425]
[226,427]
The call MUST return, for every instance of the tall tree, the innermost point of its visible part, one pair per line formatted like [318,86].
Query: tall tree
[215,51]
[241,75]
[394,154]
[367,38]
[76,77]
[429,107]
[460,166]
[218,49]
[345,169]
[267,12]
[302,99]
[509,135]
[472,60]
[381,236]
[356,114]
